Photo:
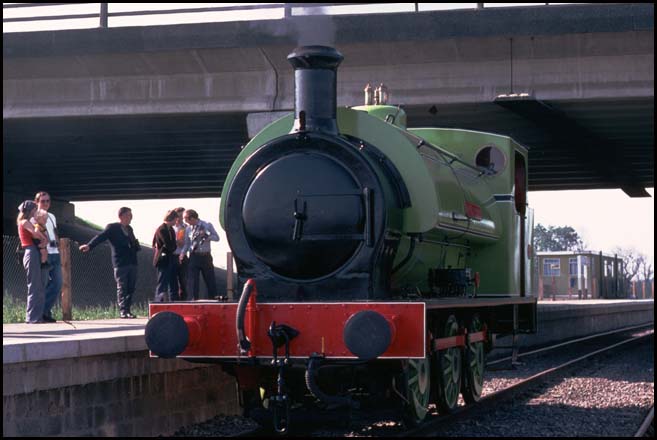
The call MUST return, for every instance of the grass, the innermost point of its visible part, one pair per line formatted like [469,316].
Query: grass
[13,311]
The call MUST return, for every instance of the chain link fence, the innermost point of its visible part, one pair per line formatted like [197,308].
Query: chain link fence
[92,275]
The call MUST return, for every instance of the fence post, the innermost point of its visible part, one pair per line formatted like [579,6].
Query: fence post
[67,303]
[540,283]
[593,286]
[103,15]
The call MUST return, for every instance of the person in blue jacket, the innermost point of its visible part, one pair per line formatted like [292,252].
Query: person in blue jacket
[197,242]
[124,257]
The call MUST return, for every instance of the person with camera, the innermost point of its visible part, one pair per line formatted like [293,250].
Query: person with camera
[164,259]
[54,266]
[31,262]
[197,243]
[124,257]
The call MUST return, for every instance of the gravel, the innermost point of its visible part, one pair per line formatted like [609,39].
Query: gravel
[500,375]
[608,397]
[220,426]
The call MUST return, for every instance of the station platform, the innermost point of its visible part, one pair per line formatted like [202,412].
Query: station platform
[84,378]
[60,340]
[569,319]
[74,339]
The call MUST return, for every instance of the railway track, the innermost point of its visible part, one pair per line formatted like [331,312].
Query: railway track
[492,400]
[565,357]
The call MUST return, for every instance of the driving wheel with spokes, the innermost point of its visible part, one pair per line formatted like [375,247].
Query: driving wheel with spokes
[473,365]
[448,370]
[417,383]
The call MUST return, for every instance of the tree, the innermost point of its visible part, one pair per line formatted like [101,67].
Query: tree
[647,270]
[557,238]
[631,261]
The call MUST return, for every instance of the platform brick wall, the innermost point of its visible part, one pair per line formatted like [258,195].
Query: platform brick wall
[128,394]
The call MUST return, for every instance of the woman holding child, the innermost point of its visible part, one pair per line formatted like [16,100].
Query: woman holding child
[31,262]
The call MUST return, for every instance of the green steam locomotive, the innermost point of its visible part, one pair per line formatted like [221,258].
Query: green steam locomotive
[377,261]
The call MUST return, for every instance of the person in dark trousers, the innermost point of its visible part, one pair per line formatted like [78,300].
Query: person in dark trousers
[31,262]
[182,263]
[54,276]
[124,257]
[164,259]
[197,243]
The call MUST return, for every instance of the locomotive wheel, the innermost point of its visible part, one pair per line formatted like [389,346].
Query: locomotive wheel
[448,383]
[473,365]
[417,381]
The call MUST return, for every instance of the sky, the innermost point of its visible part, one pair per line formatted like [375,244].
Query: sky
[604,219]
[147,215]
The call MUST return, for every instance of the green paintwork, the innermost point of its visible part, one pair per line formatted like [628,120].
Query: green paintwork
[389,113]
[494,251]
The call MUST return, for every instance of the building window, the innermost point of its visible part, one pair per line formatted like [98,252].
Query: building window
[572,266]
[551,267]
[609,268]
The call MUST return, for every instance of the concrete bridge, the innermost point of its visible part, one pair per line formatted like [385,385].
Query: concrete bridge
[160,111]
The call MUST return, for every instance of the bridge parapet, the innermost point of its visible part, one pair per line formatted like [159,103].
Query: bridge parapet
[568,52]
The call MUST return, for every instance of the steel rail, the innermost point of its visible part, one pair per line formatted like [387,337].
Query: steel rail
[561,344]
[647,422]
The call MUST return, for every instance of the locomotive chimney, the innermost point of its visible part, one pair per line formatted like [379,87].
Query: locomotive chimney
[315,95]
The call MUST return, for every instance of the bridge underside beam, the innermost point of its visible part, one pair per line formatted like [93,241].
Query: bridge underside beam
[601,156]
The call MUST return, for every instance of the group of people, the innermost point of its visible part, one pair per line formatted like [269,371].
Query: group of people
[181,250]
[39,247]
